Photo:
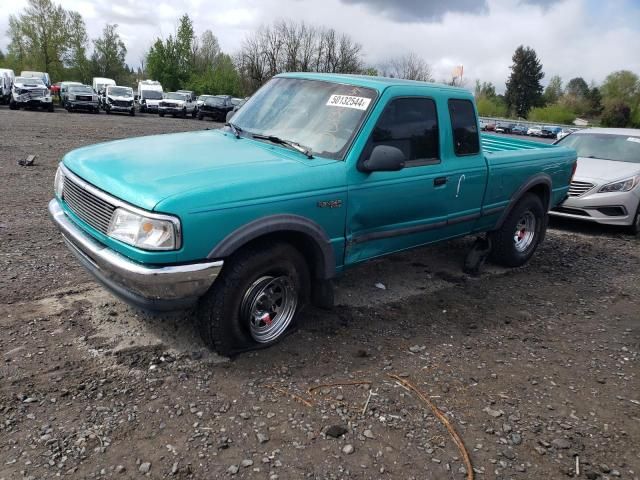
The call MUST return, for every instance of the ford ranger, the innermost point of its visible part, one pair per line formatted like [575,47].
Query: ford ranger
[315,174]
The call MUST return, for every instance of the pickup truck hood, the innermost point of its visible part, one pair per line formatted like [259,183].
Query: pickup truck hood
[146,170]
[120,98]
[604,170]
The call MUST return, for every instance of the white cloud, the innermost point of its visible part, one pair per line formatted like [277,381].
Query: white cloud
[572,37]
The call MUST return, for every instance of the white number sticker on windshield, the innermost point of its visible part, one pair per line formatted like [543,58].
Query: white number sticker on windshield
[633,139]
[348,101]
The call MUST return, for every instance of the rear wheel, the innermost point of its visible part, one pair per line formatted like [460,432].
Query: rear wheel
[521,232]
[255,300]
[200,116]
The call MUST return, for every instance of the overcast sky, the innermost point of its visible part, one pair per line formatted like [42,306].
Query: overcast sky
[588,38]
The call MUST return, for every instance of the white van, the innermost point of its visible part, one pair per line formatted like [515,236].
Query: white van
[100,83]
[6,80]
[149,95]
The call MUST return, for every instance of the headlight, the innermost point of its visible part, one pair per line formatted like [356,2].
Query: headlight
[72,96]
[144,232]
[621,186]
[58,183]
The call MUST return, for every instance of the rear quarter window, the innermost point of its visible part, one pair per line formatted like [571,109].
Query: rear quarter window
[466,140]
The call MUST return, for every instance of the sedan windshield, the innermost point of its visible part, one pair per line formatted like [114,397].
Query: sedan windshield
[80,89]
[120,91]
[322,116]
[175,96]
[604,146]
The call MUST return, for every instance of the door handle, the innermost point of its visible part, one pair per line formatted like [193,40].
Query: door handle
[439,181]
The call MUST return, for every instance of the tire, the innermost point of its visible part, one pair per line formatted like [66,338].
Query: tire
[161,114]
[132,113]
[50,108]
[194,113]
[634,228]
[224,313]
[13,105]
[184,113]
[521,232]
[200,116]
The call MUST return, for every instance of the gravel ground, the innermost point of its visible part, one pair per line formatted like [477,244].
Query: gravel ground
[536,368]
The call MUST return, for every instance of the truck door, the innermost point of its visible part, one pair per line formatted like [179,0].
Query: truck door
[467,168]
[392,211]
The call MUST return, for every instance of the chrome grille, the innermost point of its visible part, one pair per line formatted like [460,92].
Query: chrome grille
[37,93]
[577,189]
[89,208]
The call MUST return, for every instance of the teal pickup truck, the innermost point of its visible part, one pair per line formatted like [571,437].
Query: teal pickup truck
[316,173]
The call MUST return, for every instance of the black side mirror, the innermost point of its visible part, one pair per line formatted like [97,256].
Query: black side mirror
[384,158]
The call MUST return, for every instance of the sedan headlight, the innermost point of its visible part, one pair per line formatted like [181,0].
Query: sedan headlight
[144,232]
[621,185]
[58,183]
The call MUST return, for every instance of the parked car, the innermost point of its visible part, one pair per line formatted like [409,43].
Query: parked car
[81,97]
[236,106]
[6,81]
[118,99]
[606,185]
[549,131]
[216,108]
[177,103]
[566,131]
[252,234]
[504,127]
[149,95]
[44,76]
[64,89]
[200,100]
[30,92]
[519,130]
[534,131]
[490,126]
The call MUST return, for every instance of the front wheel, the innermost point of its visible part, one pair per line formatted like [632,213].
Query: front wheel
[634,228]
[521,232]
[161,114]
[255,300]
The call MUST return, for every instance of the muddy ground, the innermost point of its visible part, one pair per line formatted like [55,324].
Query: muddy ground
[536,368]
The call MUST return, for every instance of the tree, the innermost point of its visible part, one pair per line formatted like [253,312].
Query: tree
[491,106]
[485,89]
[43,36]
[621,87]
[554,91]
[76,57]
[556,113]
[524,90]
[206,52]
[109,52]
[594,101]
[408,67]
[577,87]
[617,115]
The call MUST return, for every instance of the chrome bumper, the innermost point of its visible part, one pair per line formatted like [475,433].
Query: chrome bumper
[158,288]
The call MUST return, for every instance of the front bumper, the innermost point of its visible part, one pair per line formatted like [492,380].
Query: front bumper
[172,110]
[150,287]
[605,208]
[120,108]
[82,104]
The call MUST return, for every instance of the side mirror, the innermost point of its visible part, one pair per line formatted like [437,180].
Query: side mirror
[384,158]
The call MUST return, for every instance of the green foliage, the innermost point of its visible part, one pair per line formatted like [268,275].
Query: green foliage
[371,71]
[222,78]
[108,56]
[553,92]
[524,90]
[44,37]
[577,87]
[485,89]
[617,115]
[552,114]
[491,107]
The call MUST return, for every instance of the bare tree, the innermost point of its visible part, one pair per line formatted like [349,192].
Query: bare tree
[295,46]
[409,67]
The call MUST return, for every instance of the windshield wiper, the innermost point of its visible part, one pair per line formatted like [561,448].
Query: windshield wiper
[281,141]
[235,129]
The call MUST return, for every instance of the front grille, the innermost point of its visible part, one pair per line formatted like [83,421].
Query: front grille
[84,98]
[168,104]
[577,189]
[88,207]
[120,103]
[37,93]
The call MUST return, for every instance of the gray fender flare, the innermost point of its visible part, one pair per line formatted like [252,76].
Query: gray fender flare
[532,182]
[325,264]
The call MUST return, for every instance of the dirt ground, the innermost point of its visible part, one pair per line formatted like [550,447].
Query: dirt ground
[536,368]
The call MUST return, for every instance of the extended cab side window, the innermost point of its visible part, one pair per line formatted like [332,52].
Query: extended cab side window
[466,140]
[410,124]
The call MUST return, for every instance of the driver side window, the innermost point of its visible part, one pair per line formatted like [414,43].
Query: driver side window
[410,124]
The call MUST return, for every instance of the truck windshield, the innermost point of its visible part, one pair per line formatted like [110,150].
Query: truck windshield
[176,96]
[80,89]
[322,116]
[604,146]
[151,95]
[120,91]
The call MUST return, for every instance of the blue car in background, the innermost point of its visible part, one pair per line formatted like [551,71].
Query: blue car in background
[519,130]
[550,131]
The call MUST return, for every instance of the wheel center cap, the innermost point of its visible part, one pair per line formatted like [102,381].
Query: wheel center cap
[265,318]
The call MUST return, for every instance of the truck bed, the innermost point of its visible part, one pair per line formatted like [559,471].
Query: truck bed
[495,143]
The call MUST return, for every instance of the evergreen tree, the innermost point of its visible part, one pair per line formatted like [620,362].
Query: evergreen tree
[577,87]
[524,90]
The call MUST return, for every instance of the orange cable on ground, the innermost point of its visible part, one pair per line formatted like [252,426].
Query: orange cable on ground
[291,394]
